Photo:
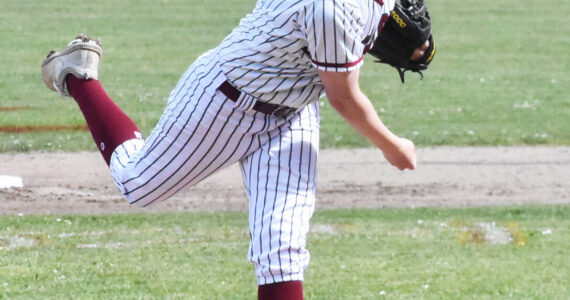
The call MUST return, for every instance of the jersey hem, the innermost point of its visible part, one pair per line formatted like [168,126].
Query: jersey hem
[280,278]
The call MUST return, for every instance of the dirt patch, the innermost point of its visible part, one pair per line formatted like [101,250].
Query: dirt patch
[69,183]
[15,108]
[36,128]
[43,128]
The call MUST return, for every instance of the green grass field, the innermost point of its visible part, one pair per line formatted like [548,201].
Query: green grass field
[500,77]
[356,254]
[501,74]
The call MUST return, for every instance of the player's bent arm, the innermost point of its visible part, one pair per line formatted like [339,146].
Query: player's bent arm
[343,92]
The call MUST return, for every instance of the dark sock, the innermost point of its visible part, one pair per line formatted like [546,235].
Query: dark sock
[289,290]
[109,125]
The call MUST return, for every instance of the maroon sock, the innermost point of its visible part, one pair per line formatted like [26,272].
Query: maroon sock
[108,124]
[289,290]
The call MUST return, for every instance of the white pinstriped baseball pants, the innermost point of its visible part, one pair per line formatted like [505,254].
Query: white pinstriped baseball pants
[201,132]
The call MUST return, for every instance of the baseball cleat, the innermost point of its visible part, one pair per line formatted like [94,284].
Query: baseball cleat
[80,58]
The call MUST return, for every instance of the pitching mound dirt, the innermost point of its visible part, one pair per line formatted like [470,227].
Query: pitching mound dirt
[69,183]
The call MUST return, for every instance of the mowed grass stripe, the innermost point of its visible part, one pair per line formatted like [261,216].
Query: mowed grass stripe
[500,76]
[424,253]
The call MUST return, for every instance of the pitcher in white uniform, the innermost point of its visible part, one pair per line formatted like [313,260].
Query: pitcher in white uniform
[252,100]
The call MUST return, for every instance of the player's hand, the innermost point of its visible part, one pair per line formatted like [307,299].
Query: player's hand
[403,155]
[419,52]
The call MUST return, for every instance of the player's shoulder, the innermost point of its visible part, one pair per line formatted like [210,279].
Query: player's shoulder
[337,3]
[336,7]
[356,4]
[353,15]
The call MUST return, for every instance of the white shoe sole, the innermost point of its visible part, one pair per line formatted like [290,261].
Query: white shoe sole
[81,62]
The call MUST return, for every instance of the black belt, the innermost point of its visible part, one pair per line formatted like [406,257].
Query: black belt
[267,108]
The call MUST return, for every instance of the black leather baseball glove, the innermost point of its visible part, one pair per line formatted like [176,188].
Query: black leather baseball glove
[407,29]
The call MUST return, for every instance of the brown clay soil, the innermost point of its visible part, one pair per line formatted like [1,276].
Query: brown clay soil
[46,128]
[79,183]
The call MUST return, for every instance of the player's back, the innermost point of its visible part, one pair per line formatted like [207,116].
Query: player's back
[268,54]
[264,54]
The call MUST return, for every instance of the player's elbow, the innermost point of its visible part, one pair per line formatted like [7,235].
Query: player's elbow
[337,103]
[344,104]
[345,99]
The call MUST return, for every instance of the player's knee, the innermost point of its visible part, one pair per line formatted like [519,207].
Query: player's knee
[137,195]
[119,183]
[126,182]
[139,199]
[132,199]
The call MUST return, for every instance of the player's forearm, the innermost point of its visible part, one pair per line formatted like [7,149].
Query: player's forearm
[361,115]
[345,96]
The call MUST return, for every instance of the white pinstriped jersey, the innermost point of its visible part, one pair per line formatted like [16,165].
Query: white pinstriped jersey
[274,53]
[273,56]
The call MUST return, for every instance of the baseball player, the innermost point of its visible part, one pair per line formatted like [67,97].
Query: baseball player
[252,100]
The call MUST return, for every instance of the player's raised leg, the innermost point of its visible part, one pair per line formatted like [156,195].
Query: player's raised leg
[280,180]
[199,133]
[73,72]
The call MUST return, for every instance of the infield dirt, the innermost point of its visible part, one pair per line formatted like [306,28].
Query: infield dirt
[79,183]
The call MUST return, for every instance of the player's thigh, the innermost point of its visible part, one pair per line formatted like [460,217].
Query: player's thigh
[199,133]
[280,180]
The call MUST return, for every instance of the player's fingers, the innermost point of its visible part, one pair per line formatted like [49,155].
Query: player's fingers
[419,52]
[410,154]
[413,164]
[409,165]
[405,162]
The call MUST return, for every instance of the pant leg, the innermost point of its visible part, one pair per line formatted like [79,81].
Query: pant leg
[280,180]
[199,133]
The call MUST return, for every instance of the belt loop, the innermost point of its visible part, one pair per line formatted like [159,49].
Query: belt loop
[246,102]
[230,91]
